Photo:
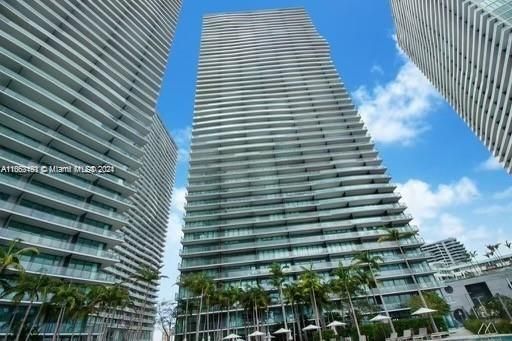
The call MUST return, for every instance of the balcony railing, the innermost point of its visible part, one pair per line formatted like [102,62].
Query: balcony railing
[41,240]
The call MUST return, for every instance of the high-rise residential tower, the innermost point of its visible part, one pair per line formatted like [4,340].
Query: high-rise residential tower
[449,251]
[282,169]
[79,82]
[464,47]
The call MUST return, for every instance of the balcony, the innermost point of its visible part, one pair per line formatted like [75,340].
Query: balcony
[61,199]
[216,237]
[61,247]
[226,260]
[69,273]
[62,224]
[261,244]
[14,159]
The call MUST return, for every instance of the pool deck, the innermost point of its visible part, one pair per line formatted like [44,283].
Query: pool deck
[464,334]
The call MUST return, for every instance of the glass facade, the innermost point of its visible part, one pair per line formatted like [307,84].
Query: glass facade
[282,168]
[79,81]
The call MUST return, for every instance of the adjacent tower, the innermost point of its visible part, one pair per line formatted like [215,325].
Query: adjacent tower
[79,81]
[464,47]
[449,251]
[282,169]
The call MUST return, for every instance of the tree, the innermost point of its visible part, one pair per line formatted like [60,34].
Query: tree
[232,295]
[48,284]
[294,296]
[146,275]
[277,280]
[346,285]
[166,312]
[31,287]
[472,256]
[309,283]
[372,262]
[10,256]
[396,236]
[433,300]
[199,284]
[255,298]
[67,297]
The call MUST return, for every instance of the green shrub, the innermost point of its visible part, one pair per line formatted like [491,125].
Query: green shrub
[326,335]
[502,326]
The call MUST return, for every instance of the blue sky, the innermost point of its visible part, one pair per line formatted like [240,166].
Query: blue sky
[446,176]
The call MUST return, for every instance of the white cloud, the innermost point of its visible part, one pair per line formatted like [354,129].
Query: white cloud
[182,137]
[377,69]
[173,240]
[505,194]
[426,203]
[494,209]
[491,164]
[395,112]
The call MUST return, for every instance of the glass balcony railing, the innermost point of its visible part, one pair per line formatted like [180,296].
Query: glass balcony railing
[16,159]
[61,198]
[213,236]
[277,188]
[56,154]
[295,215]
[42,241]
[205,249]
[225,274]
[60,271]
[280,206]
[349,248]
[60,221]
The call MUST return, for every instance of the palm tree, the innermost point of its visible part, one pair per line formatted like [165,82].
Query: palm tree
[199,284]
[10,257]
[146,275]
[396,236]
[472,256]
[254,298]
[492,253]
[309,283]
[67,297]
[232,296]
[45,289]
[31,287]
[277,280]
[346,284]
[293,295]
[498,253]
[366,259]
[114,298]
[508,244]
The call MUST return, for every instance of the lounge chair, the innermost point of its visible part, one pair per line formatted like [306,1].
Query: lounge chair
[422,334]
[439,335]
[407,335]
[392,337]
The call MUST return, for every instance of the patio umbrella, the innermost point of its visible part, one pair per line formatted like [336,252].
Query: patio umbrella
[336,324]
[232,336]
[257,333]
[268,337]
[310,327]
[282,331]
[423,311]
[380,318]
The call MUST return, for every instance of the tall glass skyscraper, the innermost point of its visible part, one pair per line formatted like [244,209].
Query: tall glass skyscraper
[79,82]
[464,47]
[282,169]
